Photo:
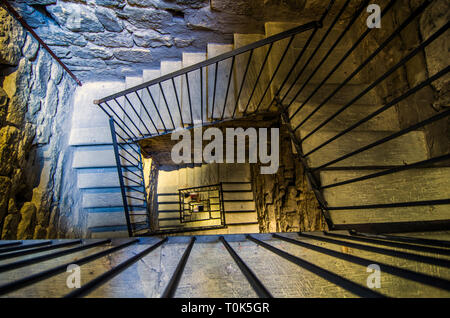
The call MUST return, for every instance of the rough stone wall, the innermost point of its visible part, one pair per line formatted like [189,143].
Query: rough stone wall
[285,201]
[429,100]
[34,113]
[101,39]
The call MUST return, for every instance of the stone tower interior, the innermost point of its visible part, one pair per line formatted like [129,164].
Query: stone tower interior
[348,101]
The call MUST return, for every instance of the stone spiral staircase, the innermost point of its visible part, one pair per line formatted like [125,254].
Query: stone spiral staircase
[239,204]
[90,134]
[94,158]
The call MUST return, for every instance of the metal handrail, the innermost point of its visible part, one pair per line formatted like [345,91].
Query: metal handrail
[218,58]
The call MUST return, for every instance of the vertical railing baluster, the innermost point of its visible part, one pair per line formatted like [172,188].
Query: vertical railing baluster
[157,110]
[119,172]
[201,94]
[189,98]
[259,76]
[243,82]
[138,116]
[275,72]
[178,102]
[146,111]
[256,284]
[167,105]
[313,54]
[121,120]
[214,90]
[171,288]
[228,87]
[126,114]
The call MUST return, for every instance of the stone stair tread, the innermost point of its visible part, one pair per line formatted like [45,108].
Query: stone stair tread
[105,177]
[221,84]
[148,75]
[86,114]
[109,198]
[388,120]
[234,172]
[244,195]
[240,206]
[169,92]
[245,217]
[408,148]
[273,28]
[90,136]
[134,109]
[343,96]
[404,186]
[252,73]
[99,156]
[233,229]
[194,89]
[177,224]
[391,215]
[109,234]
[112,219]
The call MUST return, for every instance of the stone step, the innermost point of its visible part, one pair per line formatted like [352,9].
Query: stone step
[388,120]
[405,149]
[168,181]
[133,107]
[300,40]
[105,233]
[195,90]
[406,186]
[169,93]
[105,177]
[345,69]
[223,75]
[168,215]
[176,224]
[342,97]
[240,206]
[102,219]
[234,172]
[90,136]
[238,195]
[151,104]
[168,206]
[231,229]
[254,70]
[109,197]
[273,28]
[246,186]
[100,156]
[86,114]
[233,218]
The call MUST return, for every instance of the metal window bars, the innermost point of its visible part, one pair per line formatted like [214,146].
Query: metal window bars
[321,245]
[146,110]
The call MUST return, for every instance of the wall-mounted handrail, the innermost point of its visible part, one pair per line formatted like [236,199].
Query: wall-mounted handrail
[16,15]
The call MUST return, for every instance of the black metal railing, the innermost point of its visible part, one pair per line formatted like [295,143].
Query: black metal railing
[324,246]
[202,203]
[162,105]
[293,112]
[293,85]
[132,184]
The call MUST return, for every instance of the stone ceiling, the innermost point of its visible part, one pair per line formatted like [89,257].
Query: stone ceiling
[110,39]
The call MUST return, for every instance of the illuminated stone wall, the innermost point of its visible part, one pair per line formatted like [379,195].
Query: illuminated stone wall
[35,94]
